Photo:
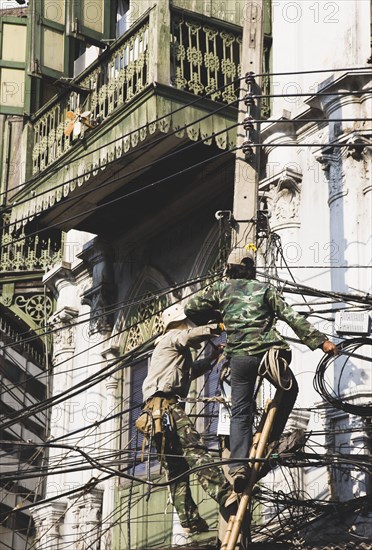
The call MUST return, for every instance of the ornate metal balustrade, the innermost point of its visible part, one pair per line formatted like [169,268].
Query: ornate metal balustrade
[205,58]
[113,81]
[21,288]
[21,253]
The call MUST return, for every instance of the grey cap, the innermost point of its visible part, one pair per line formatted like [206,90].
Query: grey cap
[238,255]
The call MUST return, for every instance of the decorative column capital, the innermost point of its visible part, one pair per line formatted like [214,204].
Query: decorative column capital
[111,382]
[283,192]
[358,145]
[340,164]
[63,331]
[59,277]
[326,157]
[99,298]
[87,513]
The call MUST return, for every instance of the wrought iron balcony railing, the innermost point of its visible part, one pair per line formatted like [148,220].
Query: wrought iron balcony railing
[107,85]
[202,59]
[21,253]
[205,59]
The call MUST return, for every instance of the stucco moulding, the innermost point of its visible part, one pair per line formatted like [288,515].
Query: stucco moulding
[59,273]
[351,147]
[345,82]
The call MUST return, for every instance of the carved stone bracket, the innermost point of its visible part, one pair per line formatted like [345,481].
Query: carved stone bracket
[63,330]
[357,145]
[282,192]
[99,299]
[98,258]
[326,157]
[330,160]
[338,163]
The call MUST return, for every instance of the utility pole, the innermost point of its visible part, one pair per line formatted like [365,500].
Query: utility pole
[247,158]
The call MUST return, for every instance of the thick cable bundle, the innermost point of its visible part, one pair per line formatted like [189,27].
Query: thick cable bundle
[347,348]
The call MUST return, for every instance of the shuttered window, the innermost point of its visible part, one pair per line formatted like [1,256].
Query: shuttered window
[14,83]
[55,24]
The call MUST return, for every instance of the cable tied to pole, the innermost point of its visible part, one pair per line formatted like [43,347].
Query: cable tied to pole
[276,368]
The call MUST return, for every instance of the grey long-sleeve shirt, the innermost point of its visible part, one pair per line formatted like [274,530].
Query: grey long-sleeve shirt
[172,367]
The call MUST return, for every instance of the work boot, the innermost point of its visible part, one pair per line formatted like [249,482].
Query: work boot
[240,479]
[288,443]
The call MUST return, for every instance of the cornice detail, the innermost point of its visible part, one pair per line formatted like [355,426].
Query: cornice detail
[338,159]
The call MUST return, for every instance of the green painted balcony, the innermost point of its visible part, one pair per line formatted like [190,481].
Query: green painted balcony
[150,93]
[171,82]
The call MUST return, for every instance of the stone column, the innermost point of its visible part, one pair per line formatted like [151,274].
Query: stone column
[62,283]
[112,407]
[85,512]
[280,190]
[97,257]
[62,325]
[346,161]
[49,520]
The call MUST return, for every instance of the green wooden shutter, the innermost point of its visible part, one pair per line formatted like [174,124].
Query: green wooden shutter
[58,24]
[14,83]
[93,21]
[50,45]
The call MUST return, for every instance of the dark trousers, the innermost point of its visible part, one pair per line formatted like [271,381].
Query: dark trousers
[244,369]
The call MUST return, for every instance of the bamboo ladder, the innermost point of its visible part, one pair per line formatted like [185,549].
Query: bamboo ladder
[235,523]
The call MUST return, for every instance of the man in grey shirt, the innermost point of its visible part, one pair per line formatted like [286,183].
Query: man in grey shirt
[170,374]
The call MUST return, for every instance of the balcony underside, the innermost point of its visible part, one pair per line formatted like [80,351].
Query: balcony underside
[96,185]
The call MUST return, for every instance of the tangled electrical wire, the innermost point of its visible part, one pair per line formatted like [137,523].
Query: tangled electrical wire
[348,348]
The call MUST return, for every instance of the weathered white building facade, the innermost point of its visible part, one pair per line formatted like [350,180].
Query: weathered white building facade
[317,188]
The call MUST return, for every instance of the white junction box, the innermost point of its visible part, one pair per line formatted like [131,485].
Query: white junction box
[352,322]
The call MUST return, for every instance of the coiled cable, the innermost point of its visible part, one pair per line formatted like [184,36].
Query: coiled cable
[347,348]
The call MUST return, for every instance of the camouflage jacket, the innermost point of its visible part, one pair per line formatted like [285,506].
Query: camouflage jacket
[249,310]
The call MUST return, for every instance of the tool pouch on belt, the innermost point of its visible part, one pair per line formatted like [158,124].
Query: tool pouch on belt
[156,420]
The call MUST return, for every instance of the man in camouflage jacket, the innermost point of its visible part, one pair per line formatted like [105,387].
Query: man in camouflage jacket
[170,374]
[249,310]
